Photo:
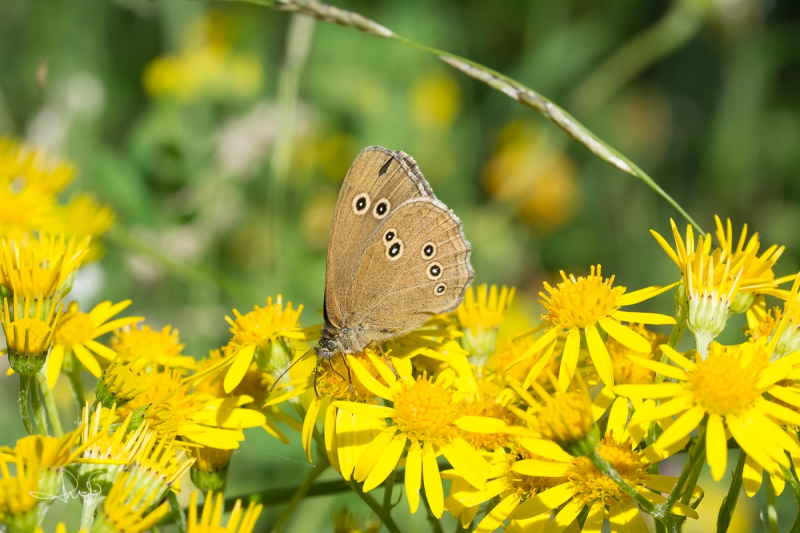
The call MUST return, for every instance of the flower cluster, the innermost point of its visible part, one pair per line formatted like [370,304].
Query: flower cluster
[560,426]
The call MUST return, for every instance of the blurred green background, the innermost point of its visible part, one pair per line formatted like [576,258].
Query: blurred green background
[220,134]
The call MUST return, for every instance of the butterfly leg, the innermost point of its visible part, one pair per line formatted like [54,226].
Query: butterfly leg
[349,377]
[316,366]
[387,360]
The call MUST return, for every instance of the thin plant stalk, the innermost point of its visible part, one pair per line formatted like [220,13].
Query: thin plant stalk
[436,525]
[791,480]
[729,503]
[508,86]
[22,403]
[38,408]
[50,405]
[388,489]
[384,516]
[301,492]
[90,503]
[772,511]
[177,512]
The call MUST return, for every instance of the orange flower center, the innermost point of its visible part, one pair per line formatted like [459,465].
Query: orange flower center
[426,411]
[725,383]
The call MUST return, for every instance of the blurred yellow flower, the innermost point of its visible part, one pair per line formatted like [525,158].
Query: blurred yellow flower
[435,100]
[40,267]
[160,348]
[479,319]
[536,179]
[84,216]
[77,332]
[18,504]
[581,305]
[25,167]
[211,518]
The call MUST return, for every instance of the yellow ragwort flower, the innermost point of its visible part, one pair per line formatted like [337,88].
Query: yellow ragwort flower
[26,167]
[40,267]
[160,348]
[266,329]
[728,387]
[29,332]
[125,510]
[580,306]
[426,414]
[211,519]
[85,216]
[479,319]
[18,502]
[77,333]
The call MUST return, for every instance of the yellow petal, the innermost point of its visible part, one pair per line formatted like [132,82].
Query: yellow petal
[88,360]
[433,482]
[538,366]
[366,379]
[386,464]
[238,369]
[471,498]
[222,439]
[331,447]
[544,501]
[625,336]
[54,361]
[537,467]
[682,427]
[546,448]
[365,409]
[752,446]
[667,483]
[666,409]
[569,358]
[345,442]
[309,424]
[499,514]
[777,411]
[618,419]
[565,516]
[595,518]
[480,424]
[660,368]
[677,358]
[652,390]
[600,357]
[752,476]
[116,324]
[641,295]
[383,368]
[654,319]
[413,475]
[540,343]
[716,446]
[103,351]
[601,402]
[471,466]
[372,453]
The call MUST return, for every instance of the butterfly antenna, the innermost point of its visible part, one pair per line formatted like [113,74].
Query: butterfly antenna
[349,378]
[290,367]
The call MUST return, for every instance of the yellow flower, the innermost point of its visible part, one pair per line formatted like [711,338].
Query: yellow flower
[479,319]
[266,329]
[29,333]
[552,479]
[40,267]
[26,167]
[490,402]
[580,306]
[24,211]
[160,348]
[125,510]
[427,415]
[155,469]
[18,504]
[77,332]
[728,387]
[83,217]
[210,469]
[211,519]
[122,381]
[787,329]
[346,434]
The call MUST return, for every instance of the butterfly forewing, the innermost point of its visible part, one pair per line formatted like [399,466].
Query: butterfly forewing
[378,181]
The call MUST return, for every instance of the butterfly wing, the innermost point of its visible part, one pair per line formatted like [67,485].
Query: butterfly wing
[416,264]
[379,180]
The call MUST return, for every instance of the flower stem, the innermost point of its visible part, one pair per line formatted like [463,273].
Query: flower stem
[385,516]
[177,511]
[436,526]
[90,504]
[772,511]
[50,405]
[76,385]
[302,490]
[729,503]
[605,467]
[22,403]
[696,455]
[38,408]
[791,479]
[388,489]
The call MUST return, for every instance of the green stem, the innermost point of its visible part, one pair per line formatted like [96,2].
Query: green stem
[508,86]
[22,403]
[38,408]
[436,526]
[76,385]
[388,489]
[384,516]
[177,512]
[302,491]
[674,338]
[729,503]
[791,479]
[696,455]
[50,405]
[672,31]
[90,504]
[772,512]
[605,467]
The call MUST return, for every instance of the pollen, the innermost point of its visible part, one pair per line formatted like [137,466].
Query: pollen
[425,411]
[75,328]
[725,383]
[332,380]
[582,301]
[592,485]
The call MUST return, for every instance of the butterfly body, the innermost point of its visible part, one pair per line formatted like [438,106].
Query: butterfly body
[396,255]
